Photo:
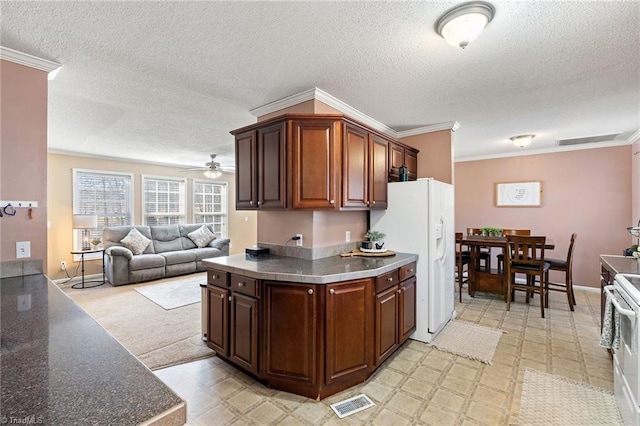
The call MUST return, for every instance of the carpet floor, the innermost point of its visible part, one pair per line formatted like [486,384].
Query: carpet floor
[157,337]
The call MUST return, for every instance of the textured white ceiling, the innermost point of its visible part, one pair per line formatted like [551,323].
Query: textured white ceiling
[167,81]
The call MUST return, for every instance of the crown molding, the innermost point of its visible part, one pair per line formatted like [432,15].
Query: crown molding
[332,101]
[551,150]
[21,58]
[635,137]
[448,125]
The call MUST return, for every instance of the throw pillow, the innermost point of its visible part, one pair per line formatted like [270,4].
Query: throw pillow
[202,237]
[135,241]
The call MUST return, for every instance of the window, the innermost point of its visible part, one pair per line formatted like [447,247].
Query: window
[210,204]
[163,200]
[106,194]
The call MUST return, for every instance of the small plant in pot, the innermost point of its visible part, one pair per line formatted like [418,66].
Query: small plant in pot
[95,242]
[374,240]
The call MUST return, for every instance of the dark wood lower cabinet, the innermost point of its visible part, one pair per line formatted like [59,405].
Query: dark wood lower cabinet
[309,339]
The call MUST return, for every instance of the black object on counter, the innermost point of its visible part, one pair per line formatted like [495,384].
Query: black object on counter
[256,251]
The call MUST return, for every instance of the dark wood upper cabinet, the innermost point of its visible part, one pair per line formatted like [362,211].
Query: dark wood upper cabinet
[271,159]
[246,171]
[316,162]
[400,155]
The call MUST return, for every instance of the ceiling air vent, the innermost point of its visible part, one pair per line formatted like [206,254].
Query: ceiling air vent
[352,405]
[588,139]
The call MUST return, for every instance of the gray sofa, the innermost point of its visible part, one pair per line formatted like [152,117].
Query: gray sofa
[171,252]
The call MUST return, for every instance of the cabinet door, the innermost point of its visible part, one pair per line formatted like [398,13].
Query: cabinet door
[355,174]
[243,349]
[218,319]
[411,161]
[349,331]
[396,160]
[272,188]
[407,311]
[315,163]
[378,172]
[290,332]
[246,171]
[386,314]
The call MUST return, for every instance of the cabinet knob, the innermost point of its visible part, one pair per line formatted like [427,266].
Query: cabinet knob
[222,296]
[373,202]
[259,202]
[230,298]
[251,202]
[332,202]
[390,279]
[310,291]
[332,291]
[241,284]
[215,277]
[411,270]
[399,291]
[368,204]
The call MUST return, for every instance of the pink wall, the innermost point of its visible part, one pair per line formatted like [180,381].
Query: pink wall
[23,157]
[587,192]
[436,154]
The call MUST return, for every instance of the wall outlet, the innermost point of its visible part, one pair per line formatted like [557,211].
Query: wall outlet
[23,249]
[63,265]
[299,240]
[347,236]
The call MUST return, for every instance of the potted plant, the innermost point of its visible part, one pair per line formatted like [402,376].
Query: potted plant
[95,242]
[375,238]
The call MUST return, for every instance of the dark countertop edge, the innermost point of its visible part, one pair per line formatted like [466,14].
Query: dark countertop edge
[312,279]
[604,258]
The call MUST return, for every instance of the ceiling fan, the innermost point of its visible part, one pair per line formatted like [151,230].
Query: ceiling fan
[212,169]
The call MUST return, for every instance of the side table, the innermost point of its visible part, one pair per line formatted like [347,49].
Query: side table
[82,253]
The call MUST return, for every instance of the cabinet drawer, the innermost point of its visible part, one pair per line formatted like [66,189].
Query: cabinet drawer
[387,280]
[245,285]
[218,278]
[407,271]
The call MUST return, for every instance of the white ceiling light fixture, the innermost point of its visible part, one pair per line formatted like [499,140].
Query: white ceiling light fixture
[212,174]
[522,140]
[464,23]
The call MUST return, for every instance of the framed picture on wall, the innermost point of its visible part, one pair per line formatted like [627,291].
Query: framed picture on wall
[518,194]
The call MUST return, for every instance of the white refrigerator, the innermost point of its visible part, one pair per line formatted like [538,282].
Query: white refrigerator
[420,219]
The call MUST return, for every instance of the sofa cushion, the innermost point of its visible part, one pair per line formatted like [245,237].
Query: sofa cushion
[201,237]
[112,235]
[145,261]
[182,256]
[166,238]
[135,241]
[185,230]
[206,252]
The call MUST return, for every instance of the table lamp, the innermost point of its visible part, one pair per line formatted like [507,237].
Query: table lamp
[85,222]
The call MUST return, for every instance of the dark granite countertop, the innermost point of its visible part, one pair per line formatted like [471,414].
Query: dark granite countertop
[60,367]
[321,271]
[621,264]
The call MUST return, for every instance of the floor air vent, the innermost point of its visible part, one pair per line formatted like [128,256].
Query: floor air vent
[352,405]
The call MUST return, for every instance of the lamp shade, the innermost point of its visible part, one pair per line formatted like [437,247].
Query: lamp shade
[464,23]
[213,174]
[85,221]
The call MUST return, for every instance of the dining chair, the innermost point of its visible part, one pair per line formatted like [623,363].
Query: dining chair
[525,255]
[485,252]
[463,257]
[506,233]
[566,266]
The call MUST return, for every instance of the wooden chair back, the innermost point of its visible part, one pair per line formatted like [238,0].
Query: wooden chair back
[507,232]
[474,231]
[525,254]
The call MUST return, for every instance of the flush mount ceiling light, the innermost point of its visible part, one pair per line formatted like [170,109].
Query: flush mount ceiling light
[522,140]
[464,23]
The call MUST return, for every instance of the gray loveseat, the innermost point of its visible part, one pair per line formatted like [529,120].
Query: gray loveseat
[170,252]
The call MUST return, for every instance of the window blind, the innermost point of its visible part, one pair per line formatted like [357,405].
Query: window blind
[210,205]
[163,201]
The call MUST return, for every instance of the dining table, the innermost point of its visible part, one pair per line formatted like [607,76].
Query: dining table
[489,280]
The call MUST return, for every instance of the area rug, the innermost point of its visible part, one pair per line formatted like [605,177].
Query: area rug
[173,294]
[548,399]
[468,340]
[157,337]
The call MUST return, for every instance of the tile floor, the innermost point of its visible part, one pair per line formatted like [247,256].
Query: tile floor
[421,385]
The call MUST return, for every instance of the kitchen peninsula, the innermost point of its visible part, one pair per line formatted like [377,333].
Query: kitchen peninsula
[60,367]
[310,327]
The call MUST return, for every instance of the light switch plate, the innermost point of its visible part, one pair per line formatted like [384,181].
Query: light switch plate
[23,249]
